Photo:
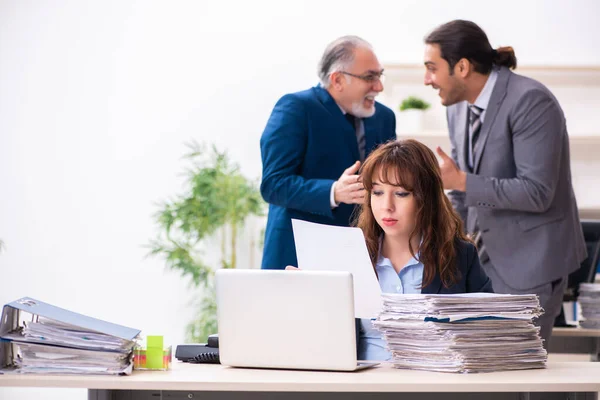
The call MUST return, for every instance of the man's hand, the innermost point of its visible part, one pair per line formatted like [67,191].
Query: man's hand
[348,189]
[452,177]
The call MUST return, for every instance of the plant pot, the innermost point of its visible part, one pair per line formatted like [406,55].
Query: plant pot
[409,122]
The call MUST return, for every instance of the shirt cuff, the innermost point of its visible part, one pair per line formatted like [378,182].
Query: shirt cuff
[332,197]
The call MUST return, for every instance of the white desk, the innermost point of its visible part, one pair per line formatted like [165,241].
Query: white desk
[578,380]
[575,332]
[576,340]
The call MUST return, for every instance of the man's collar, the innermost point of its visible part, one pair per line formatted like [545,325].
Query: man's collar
[483,99]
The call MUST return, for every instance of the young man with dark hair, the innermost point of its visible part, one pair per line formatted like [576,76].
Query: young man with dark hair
[509,174]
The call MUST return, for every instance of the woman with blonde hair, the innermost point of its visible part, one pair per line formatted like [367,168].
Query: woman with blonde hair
[415,238]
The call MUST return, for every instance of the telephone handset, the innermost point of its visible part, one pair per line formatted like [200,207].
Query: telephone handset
[207,353]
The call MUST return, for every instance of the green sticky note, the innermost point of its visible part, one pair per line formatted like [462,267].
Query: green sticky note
[154,352]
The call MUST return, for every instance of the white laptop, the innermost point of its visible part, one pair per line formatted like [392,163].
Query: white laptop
[287,319]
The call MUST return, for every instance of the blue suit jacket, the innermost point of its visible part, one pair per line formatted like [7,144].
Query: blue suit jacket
[472,278]
[306,145]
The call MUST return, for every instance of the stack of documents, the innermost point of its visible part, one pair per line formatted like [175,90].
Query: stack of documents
[473,332]
[589,299]
[39,338]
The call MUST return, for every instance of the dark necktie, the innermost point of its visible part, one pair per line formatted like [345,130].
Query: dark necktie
[360,135]
[475,125]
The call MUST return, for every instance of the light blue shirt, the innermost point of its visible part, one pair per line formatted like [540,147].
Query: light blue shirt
[482,102]
[371,345]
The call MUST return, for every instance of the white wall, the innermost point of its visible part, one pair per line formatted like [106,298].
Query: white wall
[97,98]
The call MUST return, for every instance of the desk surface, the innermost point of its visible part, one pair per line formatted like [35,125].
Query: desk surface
[558,377]
[575,332]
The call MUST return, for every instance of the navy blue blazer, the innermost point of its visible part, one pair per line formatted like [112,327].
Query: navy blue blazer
[472,277]
[305,147]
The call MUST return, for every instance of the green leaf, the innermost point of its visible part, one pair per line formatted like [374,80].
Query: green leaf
[205,323]
[413,102]
[215,194]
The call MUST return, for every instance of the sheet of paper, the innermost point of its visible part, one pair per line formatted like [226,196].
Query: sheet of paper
[335,248]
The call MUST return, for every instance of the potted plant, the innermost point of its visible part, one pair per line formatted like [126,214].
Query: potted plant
[410,120]
[215,205]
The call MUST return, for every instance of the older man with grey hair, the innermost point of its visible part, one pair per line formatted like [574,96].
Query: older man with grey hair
[314,143]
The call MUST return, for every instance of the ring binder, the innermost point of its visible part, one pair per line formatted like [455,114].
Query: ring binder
[39,337]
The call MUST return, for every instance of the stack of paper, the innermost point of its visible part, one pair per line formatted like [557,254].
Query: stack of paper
[40,338]
[589,299]
[474,332]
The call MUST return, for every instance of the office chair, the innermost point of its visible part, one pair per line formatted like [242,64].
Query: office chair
[587,272]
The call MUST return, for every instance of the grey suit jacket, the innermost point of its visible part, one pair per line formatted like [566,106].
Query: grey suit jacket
[520,192]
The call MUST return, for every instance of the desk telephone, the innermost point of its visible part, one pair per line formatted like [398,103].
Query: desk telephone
[207,353]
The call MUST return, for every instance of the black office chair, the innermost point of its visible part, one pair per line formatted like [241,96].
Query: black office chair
[587,271]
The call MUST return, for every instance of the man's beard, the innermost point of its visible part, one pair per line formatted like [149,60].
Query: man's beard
[360,111]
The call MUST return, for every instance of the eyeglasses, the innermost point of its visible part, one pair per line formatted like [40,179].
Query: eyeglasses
[369,78]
